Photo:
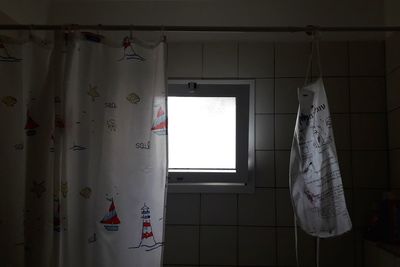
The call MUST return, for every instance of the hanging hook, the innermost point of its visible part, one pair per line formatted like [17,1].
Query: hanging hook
[163,36]
[99,26]
[30,35]
[312,31]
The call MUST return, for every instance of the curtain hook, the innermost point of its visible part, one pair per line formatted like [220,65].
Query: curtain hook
[99,26]
[310,30]
[163,36]
[30,34]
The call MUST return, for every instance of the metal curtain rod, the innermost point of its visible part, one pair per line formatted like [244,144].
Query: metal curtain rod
[307,29]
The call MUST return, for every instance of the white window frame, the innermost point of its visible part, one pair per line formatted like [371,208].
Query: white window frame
[243,181]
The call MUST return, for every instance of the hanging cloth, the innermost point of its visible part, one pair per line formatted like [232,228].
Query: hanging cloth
[84,151]
[314,176]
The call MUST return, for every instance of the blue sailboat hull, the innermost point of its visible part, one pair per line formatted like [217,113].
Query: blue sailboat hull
[111,227]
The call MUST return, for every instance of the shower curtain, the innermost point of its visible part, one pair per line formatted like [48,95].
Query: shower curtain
[83,151]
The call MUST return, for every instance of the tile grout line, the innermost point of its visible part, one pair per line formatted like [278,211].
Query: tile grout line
[388,162]
[202,60]
[353,197]
[275,189]
[237,60]
[333,113]
[237,195]
[266,77]
[237,229]
[199,241]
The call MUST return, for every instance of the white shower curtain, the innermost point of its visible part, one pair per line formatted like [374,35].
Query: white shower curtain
[83,151]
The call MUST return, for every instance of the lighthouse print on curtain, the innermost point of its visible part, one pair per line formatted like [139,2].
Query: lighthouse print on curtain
[85,147]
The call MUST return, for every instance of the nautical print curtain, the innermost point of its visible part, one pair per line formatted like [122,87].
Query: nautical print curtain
[83,151]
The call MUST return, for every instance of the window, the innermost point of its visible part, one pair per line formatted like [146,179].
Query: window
[210,136]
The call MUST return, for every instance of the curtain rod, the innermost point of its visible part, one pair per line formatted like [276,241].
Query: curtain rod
[306,29]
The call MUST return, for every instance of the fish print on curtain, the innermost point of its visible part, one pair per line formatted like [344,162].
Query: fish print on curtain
[86,152]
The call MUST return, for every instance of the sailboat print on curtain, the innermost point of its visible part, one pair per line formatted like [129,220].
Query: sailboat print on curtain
[110,220]
[160,123]
[30,125]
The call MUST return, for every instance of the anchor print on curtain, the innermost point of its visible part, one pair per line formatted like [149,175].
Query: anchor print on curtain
[75,180]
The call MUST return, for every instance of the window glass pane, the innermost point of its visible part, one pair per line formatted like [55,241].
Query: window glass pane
[202,132]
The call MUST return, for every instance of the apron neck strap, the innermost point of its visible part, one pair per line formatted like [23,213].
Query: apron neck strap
[314,46]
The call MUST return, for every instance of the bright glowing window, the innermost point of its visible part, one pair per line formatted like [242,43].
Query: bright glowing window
[202,134]
[210,136]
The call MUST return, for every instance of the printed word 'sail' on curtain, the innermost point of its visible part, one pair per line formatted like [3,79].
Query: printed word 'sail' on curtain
[83,150]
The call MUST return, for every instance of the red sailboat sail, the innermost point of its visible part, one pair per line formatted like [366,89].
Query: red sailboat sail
[30,123]
[160,122]
[111,216]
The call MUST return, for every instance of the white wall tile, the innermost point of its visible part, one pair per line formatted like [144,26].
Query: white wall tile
[395,169]
[286,100]
[392,52]
[219,209]
[367,58]
[256,60]
[366,201]
[394,128]
[257,209]
[265,96]
[348,195]
[334,59]
[265,132]
[370,169]
[286,248]
[397,262]
[282,168]
[256,246]
[393,89]
[344,157]
[284,208]
[218,245]
[371,252]
[183,209]
[368,94]
[291,59]
[181,245]
[359,255]
[368,131]
[386,259]
[265,171]
[184,60]
[337,92]
[220,60]
[284,129]
[341,130]
[338,251]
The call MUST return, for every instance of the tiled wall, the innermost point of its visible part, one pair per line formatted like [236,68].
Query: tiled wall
[393,106]
[257,229]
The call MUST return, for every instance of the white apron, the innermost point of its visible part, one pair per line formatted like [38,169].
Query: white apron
[314,175]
